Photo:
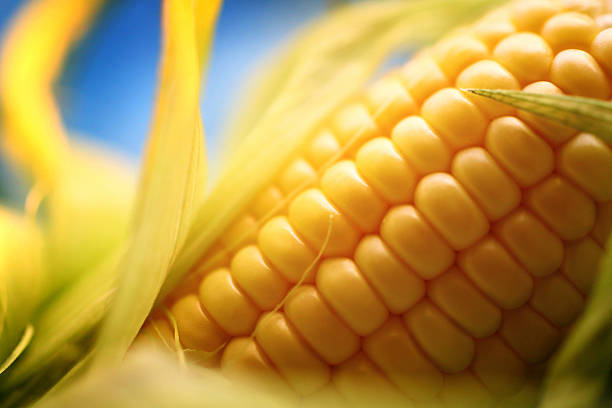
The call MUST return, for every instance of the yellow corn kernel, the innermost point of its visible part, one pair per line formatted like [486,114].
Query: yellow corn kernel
[493,27]
[416,242]
[426,246]
[195,329]
[530,15]
[603,223]
[570,30]
[422,77]
[467,306]
[536,248]
[266,201]
[383,167]
[313,215]
[244,360]
[322,148]
[457,120]
[567,210]
[529,334]
[362,384]
[297,174]
[449,347]
[553,132]
[253,274]
[304,371]
[353,196]
[320,326]
[355,125]
[389,102]
[527,56]
[397,285]
[546,294]
[350,295]
[280,244]
[225,303]
[494,191]
[498,367]
[240,232]
[462,223]
[496,273]
[457,52]
[463,390]
[587,161]
[581,264]
[602,48]
[488,74]
[576,72]
[392,349]
[421,146]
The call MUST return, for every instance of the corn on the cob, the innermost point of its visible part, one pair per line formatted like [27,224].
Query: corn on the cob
[458,238]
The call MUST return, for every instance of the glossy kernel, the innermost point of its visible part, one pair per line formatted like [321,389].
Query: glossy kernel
[449,348]
[353,196]
[498,367]
[459,51]
[535,246]
[195,329]
[383,167]
[496,273]
[304,371]
[552,131]
[219,295]
[462,223]
[458,297]
[389,102]
[567,210]
[602,48]
[285,250]
[495,192]
[319,326]
[350,295]
[527,56]
[587,161]
[577,73]
[521,152]
[581,263]
[297,174]
[311,214]
[546,300]
[398,286]
[530,15]
[530,335]
[487,74]
[266,201]
[421,146]
[457,120]
[405,230]
[570,30]
[392,349]
[257,278]
[322,148]
[422,77]
[354,125]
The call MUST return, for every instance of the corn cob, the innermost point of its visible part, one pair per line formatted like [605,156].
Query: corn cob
[426,245]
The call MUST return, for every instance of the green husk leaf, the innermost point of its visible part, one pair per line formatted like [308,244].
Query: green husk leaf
[585,114]
[171,183]
[325,66]
[581,371]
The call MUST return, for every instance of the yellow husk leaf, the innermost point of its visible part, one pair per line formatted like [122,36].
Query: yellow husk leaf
[32,57]
[172,178]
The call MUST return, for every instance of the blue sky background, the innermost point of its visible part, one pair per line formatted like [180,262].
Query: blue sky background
[107,89]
